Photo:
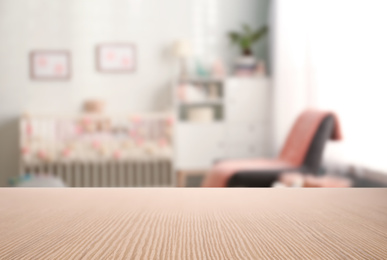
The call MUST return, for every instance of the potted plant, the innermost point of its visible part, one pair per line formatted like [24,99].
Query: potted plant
[245,40]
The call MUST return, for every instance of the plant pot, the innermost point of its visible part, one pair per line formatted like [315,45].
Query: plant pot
[246,64]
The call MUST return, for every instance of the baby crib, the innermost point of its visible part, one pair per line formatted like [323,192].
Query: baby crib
[99,150]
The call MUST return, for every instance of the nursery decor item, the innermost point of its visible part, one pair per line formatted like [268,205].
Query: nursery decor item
[201,114]
[116,58]
[245,40]
[50,65]
[194,93]
[202,71]
[94,106]
[261,68]
[182,51]
[218,69]
[213,92]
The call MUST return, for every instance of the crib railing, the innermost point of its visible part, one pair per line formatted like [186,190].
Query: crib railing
[133,151]
[129,173]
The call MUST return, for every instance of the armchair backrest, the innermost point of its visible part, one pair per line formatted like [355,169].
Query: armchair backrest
[315,152]
[306,141]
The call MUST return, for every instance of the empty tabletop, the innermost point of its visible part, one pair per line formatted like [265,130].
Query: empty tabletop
[160,223]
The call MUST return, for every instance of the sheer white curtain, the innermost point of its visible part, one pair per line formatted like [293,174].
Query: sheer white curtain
[332,54]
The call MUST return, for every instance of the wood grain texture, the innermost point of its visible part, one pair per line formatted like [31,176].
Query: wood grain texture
[193,223]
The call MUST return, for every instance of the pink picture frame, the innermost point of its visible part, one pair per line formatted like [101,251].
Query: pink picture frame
[50,65]
[116,58]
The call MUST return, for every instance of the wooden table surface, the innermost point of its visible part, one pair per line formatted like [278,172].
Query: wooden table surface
[193,223]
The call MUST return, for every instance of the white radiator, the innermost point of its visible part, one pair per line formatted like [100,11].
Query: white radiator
[131,151]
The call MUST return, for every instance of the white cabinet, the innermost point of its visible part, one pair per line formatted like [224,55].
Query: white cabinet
[198,146]
[242,132]
[246,117]
[246,100]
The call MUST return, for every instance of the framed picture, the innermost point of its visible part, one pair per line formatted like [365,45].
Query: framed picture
[50,65]
[116,58]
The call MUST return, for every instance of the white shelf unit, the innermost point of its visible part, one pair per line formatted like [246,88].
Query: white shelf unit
[240,130]
[213,102]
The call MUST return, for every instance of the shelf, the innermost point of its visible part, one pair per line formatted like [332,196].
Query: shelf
[205,80]
[204,123]
[202,103]
[217,108]
[219,122]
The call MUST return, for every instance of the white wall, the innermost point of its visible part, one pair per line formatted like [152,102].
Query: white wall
[78,25]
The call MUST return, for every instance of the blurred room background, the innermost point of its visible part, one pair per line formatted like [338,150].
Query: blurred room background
[133,93]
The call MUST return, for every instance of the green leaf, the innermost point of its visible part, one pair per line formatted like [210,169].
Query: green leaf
[246,28]
[247,37]
[259,33]
[234,37]
[248,32]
